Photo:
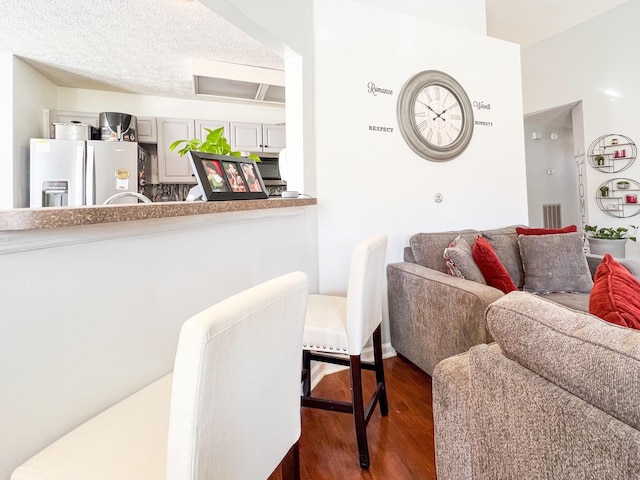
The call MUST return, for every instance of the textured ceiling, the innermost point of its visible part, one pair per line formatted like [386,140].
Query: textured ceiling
[527,22]
[145,46]
[137,46]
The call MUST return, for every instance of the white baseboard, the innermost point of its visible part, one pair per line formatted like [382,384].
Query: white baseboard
[320,369]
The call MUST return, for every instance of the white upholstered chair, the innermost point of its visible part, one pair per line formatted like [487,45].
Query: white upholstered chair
[338,328]
[201,422]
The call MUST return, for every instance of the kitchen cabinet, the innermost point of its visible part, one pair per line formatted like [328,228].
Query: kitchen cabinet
[147,130]
[274,138]
[257,137]
[172,168]
[201,125]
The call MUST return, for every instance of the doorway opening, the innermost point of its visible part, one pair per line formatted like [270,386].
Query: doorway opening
[555,161]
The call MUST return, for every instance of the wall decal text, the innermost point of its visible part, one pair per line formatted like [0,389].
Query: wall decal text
[481,105]
[375,128]
[373,90]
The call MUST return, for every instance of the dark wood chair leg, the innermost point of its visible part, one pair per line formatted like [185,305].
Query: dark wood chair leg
[377,355]
[290,466]
[358,410]
[306,367]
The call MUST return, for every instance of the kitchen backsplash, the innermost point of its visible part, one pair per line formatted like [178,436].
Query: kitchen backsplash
[165,192]
[158,192]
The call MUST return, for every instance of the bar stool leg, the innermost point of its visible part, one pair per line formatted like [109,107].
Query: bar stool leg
[358,410]
[306,371]
[377,355]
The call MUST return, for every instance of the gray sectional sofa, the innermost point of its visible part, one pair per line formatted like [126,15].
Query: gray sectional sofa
[434,315]
[556,397]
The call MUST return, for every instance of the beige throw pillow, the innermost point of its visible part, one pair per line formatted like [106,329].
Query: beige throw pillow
[460,262]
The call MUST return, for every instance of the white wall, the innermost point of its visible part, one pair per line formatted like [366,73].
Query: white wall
[372,181]
[91,314]
[467,15]
[594,62]
[32,93]
[24,94]
[6,129]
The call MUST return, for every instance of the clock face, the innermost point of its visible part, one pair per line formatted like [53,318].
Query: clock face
[435,116]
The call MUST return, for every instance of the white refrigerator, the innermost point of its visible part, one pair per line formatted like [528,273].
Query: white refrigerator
[78,172]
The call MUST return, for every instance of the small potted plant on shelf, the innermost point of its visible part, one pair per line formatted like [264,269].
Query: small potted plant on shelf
[599,159]
[609,240]
[604,191]
[622,184]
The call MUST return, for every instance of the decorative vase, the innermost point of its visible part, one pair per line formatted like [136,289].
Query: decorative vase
[614,247]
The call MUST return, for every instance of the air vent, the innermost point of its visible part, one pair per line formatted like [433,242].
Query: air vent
[244,82]
[551,215]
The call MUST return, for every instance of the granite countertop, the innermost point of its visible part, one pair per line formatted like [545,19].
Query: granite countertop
[51,217]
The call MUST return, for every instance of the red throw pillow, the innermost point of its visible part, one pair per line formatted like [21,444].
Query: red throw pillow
[491,267]
[545,231]
[615,296]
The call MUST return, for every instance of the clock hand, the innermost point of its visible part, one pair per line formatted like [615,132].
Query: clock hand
[449,108]
[421,103]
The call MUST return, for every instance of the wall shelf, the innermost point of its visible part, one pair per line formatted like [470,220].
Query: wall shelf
[612,153]
[619,200]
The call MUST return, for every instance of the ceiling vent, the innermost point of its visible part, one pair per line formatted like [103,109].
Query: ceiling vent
[241,82]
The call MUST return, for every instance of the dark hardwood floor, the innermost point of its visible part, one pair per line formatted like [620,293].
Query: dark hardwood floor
[400,445]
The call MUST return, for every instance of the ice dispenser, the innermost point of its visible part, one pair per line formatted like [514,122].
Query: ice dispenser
[55,193]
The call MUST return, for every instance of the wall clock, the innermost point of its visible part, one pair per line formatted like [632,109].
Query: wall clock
[435,116]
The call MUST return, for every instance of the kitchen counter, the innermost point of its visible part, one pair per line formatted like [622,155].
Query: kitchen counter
[51,217]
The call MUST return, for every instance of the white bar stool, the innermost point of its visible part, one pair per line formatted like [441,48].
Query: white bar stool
[336,331]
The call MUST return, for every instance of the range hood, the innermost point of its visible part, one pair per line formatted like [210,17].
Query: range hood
[240,82]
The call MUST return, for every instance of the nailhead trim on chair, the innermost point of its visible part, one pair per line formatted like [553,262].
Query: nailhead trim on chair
[324,347]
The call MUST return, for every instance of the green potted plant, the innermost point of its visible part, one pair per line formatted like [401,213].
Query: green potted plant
[604,191]
[215,142]
[609,240]
[599,159]
[622,184]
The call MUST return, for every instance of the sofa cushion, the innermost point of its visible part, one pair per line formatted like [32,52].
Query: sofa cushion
[505,243]
[615,296]
[460,263]
[545,231]
[594,360]
[554,263]
[491,267]
[428,248]
[575,301]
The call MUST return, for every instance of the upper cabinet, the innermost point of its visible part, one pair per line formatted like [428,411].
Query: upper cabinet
[257,137]
[172,168]
[202,125]
[274,138]
[147,130]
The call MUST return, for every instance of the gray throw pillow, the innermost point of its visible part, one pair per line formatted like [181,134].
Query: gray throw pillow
[554,263]
[460,262]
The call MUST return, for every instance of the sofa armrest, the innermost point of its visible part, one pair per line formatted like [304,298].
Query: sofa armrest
[519,422]
[433,315]
[632,265]
[450,387]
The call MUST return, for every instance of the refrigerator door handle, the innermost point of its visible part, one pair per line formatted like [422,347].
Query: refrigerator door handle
[79,170]
[90,177]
